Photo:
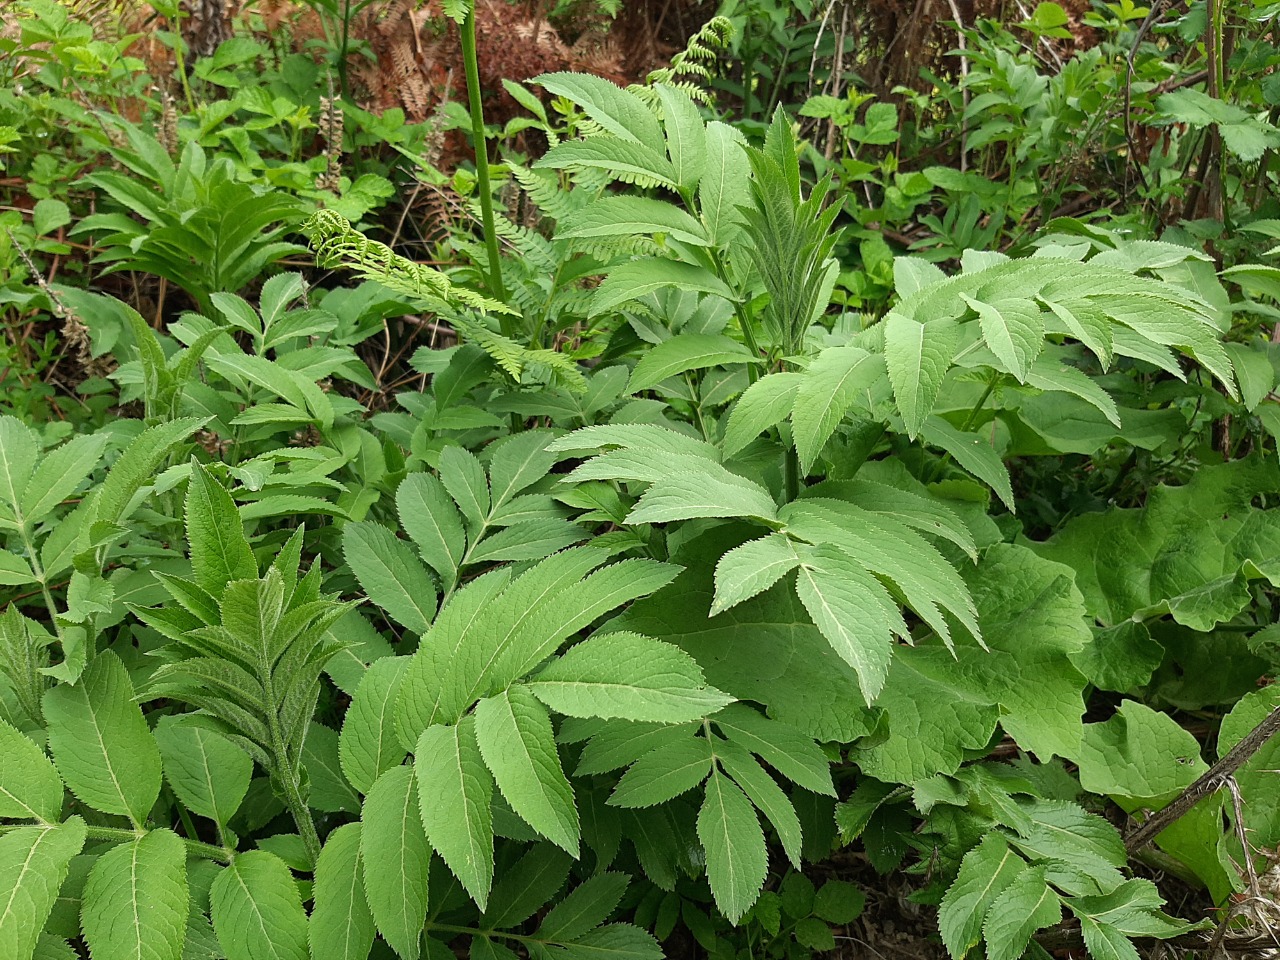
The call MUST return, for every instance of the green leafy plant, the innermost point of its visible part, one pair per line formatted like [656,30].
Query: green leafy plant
[716,565]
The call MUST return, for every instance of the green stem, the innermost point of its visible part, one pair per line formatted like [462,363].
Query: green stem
[977,407]
[286,775]
[38,569]
[183,815]
[180,62]
[791,473]
[301,813]
[343,49]
[489,934]
[744,320]
[696,399]
[205,851]
[467,30]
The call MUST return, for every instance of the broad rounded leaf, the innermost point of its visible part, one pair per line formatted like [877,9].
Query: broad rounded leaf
[1139,754]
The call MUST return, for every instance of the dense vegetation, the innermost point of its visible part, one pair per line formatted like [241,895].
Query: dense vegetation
[758,503]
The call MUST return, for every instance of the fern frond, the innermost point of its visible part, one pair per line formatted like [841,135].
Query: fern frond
[544,191]
[335,243]
[703,48]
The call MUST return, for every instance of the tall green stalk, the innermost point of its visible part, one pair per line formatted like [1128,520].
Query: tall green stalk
[467,29]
